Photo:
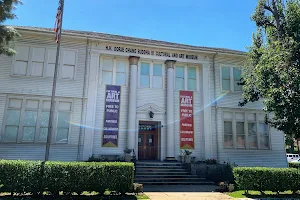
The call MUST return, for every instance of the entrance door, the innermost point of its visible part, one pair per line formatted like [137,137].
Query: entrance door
[148,141]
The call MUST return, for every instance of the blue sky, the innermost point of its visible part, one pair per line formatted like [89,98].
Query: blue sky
[219,23]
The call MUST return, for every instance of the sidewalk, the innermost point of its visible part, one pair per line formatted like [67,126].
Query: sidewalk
[183,192]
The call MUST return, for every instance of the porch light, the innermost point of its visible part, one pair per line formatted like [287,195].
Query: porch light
[151,114]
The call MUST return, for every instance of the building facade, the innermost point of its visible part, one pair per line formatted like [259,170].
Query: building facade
[115,92]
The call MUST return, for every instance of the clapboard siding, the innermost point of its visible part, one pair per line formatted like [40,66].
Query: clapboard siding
[37,152]
[99,120]
[40,85]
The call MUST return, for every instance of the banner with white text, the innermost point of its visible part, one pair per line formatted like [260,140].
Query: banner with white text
[186,120]
[111,116]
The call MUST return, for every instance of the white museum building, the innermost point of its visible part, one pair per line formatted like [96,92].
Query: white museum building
[116,92]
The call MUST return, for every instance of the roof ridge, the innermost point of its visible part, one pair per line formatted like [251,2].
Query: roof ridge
[110,36]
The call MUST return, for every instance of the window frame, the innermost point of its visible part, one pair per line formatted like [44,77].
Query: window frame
[231,82]
[45,62]
[246,121]
[151,65]
[114,69]
[185,67]
[38,121]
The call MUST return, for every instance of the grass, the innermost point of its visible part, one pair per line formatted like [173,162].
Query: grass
[257,194]
[85,195]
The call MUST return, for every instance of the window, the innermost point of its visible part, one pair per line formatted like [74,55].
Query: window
[107,73]
[186,78]
[179,81]
[68,65]
[242,127]
[157,78]
[226,78]
[121,73]
[252,131]
[230,78]
[114,71]
[40,62]
[64,113]
[27,120]
[228,134]
[151,75]
[21,63]
[145,75]
[192,81]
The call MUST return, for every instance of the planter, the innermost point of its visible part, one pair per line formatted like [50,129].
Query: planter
[187,159]
[127,157]
[182,160]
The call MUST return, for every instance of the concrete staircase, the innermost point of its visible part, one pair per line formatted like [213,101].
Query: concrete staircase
[169,173]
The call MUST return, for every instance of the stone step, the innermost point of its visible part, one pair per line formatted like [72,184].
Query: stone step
[161,173]
[170,179]
[178,176]
[158,166]
[178,183]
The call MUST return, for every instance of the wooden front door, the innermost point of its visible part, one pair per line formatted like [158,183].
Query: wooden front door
[148,141]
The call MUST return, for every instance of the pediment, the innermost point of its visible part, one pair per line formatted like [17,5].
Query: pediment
[150,106]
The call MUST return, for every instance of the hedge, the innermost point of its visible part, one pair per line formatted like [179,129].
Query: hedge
[36,177]
[267,179]
[294,165]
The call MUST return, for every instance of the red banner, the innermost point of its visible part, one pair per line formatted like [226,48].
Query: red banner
[186,120]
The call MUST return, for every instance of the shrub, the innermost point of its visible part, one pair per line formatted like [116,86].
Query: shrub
[36,177]
[266,179]
[294,165]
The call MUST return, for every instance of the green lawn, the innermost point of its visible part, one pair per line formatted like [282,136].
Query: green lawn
[257,194]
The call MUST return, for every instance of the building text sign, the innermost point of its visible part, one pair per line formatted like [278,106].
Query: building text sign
[186,120]
[111,116]
[151,52]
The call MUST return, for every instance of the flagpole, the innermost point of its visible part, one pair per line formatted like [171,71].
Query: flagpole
[52,106]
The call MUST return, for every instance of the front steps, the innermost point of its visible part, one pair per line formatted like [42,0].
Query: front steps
[171,173]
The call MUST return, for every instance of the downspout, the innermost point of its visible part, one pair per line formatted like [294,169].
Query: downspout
[82,130]
[216,103]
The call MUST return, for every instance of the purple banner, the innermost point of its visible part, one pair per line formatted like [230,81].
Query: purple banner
[111,116]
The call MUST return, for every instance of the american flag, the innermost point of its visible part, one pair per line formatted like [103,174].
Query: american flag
[57,25]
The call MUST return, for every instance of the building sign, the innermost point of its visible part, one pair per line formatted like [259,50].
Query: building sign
[151,52]
[111,116]
[186,120]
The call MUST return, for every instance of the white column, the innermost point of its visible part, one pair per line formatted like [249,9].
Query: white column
[91,106]
[133,65]
[207,111]
[170,110]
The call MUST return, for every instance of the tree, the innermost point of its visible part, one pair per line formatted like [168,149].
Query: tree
[7,33]
[272,67]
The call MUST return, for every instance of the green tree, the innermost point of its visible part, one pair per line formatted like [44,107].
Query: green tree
[7,33]
[272,67]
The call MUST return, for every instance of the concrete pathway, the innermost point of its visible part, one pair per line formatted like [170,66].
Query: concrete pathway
[183,192]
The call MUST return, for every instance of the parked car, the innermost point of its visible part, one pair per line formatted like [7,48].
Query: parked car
[292,157]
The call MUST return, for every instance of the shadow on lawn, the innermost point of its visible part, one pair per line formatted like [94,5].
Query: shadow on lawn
[92,197]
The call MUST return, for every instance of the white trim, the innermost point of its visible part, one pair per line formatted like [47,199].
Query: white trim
[45,62]
[39,110]
[151,66]
[114,69]
[185,76]
[231,86]
[234,120]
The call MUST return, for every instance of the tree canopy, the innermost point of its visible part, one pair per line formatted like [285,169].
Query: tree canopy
[272,68]
[7,33]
